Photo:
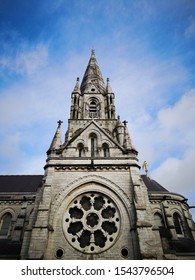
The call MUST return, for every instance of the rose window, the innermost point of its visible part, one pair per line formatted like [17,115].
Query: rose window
[91,223]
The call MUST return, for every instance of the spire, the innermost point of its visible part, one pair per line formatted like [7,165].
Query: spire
[120,131]
[93,75]
[127,140]
[56,142]
[108,87]
[77,86]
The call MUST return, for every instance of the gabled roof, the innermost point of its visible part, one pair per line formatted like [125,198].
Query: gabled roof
[20,183]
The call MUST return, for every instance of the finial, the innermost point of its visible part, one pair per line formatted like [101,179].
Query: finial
[77,79]
[108,80]
[125,122]
[59,123]
[92,52]
[118,117]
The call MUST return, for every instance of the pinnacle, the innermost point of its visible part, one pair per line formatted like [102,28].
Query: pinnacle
[77,86]
[56,142]
[93,75]
[108,86]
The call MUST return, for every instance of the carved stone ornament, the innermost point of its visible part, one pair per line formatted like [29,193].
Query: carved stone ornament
[91,223]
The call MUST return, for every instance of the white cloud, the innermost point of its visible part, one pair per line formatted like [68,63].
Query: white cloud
[175,147]
[190,30]
[178,121]
[25,62]
[177,174]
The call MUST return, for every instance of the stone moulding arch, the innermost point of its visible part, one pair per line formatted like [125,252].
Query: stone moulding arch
[176,210]
[93,99]
[81,185]
[8,211]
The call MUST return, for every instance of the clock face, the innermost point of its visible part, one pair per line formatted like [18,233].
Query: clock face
[91,222]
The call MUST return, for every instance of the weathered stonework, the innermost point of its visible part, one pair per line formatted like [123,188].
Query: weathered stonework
[93,203]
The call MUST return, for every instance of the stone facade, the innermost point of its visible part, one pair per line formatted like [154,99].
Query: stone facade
[93,203]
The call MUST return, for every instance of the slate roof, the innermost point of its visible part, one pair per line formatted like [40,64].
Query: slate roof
[19,183]
[30,183]
[152,185]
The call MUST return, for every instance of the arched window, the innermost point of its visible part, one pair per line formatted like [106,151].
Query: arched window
[178,223]
[93,139]
[93,107]
[106,150]
[159,220]
[81,149]
[5,224]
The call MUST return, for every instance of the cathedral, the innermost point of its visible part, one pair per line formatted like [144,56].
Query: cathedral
[92,203]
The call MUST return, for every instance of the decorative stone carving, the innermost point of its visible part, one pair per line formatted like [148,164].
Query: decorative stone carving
[91,222]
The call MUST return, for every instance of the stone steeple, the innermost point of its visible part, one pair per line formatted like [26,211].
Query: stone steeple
[93,101]
[93,76]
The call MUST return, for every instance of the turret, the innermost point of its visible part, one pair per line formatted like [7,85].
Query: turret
[120,132]
[110,101]
[75,102]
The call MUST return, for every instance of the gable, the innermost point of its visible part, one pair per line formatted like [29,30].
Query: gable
[90,130]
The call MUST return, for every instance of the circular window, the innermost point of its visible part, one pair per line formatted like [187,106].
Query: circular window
[91,222]
[59,253]
[124,252]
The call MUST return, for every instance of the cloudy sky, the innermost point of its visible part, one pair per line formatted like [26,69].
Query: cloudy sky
[145,47]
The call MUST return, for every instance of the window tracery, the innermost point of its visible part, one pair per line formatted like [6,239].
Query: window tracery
[94,108]
[92,222]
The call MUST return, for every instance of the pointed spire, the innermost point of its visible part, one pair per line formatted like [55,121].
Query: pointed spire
[56,142]
[127,140]
[108,87]
[77,86]
[93,75]
[120,131]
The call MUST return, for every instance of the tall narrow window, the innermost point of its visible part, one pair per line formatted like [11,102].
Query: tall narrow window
[81,149]
[177,223]
[5,224]
[106,151]
[93,139]
[92,147]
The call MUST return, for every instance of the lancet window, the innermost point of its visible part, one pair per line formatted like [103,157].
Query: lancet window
[5,224]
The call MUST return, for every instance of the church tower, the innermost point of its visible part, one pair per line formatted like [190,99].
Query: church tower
[93,203]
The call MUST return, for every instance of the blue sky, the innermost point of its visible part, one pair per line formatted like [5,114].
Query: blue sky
[145,47]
